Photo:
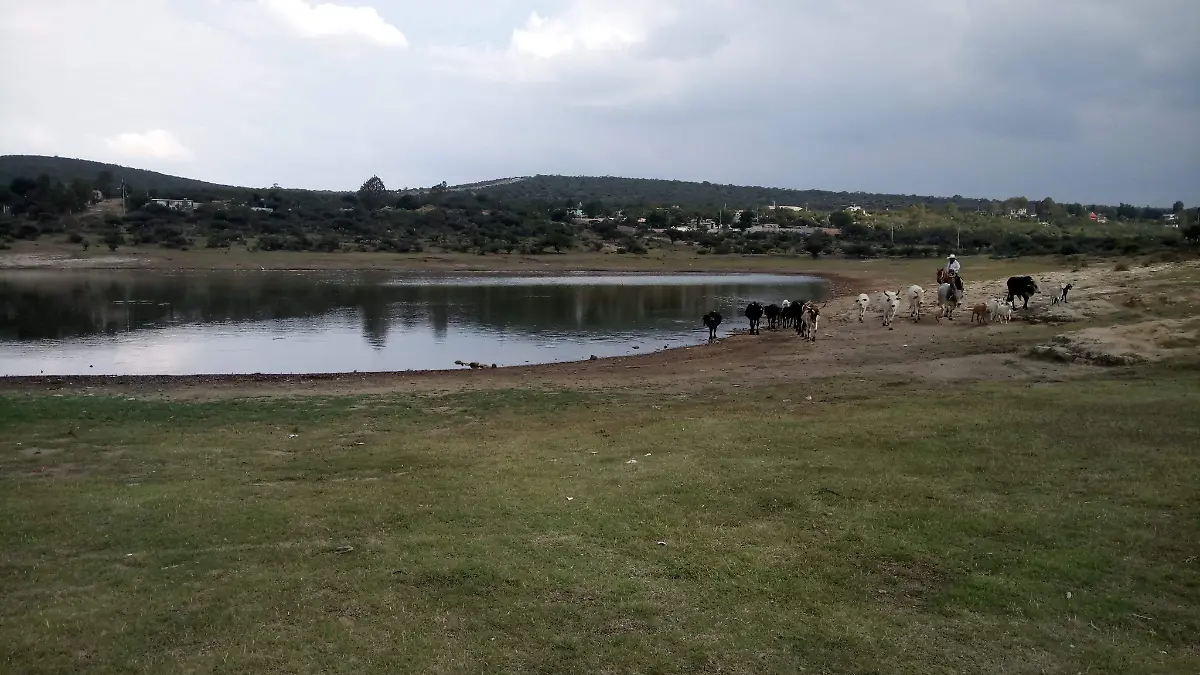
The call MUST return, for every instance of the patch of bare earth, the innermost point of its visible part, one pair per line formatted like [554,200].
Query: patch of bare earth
[1141,342]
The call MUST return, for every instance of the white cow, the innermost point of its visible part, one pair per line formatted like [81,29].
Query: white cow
[863,301]
[916,298]
[891,303]
[949,298]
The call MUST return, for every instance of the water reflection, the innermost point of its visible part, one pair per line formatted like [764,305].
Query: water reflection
[136,321]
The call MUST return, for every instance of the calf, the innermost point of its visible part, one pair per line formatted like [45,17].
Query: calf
[754,312]
[1022,287]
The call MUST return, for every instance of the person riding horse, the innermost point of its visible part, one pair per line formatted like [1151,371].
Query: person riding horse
[949,275]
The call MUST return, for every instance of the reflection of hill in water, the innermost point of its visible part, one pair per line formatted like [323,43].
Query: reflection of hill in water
[80,304]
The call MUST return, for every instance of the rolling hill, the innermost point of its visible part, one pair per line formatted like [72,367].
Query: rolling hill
[647,191]
[558,190]
[68,169]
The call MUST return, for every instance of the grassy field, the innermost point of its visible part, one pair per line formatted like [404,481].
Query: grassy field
[1015,528]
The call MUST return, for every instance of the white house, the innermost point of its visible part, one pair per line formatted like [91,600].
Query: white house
[177,204]
[854,208]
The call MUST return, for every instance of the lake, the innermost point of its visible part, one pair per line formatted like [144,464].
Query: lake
[144,322]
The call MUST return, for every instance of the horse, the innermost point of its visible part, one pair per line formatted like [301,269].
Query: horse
[944,277]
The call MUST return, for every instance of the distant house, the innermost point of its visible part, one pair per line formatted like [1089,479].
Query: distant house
[1018,213]
[262,209]
[854,208]
[1171,219]
[765,227]
[1098,218]
[176,204]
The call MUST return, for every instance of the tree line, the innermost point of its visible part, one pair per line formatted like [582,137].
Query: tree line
[375,218]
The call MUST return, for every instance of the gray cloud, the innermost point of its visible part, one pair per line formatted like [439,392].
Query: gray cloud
[1090,100]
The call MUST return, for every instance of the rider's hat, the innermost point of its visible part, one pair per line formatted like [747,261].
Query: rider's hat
[951,257]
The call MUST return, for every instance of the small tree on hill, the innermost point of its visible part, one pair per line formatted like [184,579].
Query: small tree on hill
[373,193]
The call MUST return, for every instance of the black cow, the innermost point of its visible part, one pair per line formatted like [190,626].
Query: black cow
[791,314]
[772,311]
[1022,287]
[712,320]
[754,312]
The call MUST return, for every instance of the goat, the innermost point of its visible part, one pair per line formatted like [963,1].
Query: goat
[712,320]
[993,308]
[754,312]
[863,301]
[1063,289]
[1004,312]
[891,303]
[916,298]
[979,313]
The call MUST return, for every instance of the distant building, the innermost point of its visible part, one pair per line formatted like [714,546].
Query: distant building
[854,208]
[262,209]
[176,204]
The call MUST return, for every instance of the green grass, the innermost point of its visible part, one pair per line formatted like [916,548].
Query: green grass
[866,531]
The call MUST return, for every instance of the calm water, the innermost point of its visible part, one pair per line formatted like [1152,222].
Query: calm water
[145,322]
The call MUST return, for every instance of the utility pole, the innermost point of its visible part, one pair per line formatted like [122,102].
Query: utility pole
[123,194]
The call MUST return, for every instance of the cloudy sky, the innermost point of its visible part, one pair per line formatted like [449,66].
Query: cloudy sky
[1081,100]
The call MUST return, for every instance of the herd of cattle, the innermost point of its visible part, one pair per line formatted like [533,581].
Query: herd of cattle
[805,316]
